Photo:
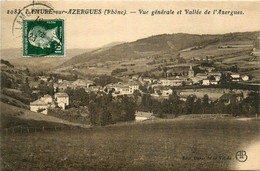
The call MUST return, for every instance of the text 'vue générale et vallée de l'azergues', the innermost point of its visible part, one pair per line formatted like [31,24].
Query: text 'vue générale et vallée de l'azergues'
[127,12]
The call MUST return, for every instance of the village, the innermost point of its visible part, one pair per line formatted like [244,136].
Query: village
[184,84]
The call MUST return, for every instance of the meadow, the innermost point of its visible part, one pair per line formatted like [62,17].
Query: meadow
[186,144]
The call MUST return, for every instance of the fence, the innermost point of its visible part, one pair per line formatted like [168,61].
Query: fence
[24,129]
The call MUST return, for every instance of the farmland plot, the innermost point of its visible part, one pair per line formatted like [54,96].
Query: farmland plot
[158,145]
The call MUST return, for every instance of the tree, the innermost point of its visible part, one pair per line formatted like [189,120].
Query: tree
[250,105]
[25,87]
[226,78]
[129,107]
[146,103]
[205,103]
[136,94]
[197,107]
[104,80]
[190,102]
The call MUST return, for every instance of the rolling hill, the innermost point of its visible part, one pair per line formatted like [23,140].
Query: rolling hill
[35,64]
[38,64]
[149,54]
[162,45]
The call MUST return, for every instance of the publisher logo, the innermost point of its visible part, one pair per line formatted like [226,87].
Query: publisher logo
[241,156]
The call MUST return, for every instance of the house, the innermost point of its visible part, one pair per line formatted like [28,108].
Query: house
[62,86]
[47,102]
[39,106]
[235,77]
[213,82]
[166,92]
[206,82]
[47,99]
[245,77]
[162,92]
[94,89]
[42,104]
[133,86]
[171,82]
[142,116]
[122,88]
[44,78]
[79,83]
[202,76]
[60,81]
[209,82]
[62,99]
[216,75]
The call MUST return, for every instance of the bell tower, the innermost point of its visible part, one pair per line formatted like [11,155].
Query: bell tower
[191,72]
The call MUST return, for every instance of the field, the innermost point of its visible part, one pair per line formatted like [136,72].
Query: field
[159,145]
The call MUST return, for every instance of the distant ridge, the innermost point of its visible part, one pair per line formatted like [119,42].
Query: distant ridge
[164,44]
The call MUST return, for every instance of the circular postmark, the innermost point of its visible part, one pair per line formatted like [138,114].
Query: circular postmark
[26,13]
[41,37]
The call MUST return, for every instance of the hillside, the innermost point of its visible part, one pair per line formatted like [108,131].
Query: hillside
[12,77]
[38,64]
[12,116]
[166,44]
[169,50]
[14,56]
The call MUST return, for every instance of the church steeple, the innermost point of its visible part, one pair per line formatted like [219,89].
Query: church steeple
[191,72]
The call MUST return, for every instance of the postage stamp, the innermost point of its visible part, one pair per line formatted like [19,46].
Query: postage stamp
[43,37]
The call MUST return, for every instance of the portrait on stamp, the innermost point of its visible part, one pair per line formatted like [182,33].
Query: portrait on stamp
[43,38]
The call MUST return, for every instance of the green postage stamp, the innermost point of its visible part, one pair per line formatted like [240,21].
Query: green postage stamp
[43,37]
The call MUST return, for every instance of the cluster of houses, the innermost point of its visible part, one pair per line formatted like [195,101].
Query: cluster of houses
[161,87]
[46,102]
[210,77]
[88,85]
[122,88]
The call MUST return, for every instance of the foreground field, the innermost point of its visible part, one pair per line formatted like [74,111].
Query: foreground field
[159,145]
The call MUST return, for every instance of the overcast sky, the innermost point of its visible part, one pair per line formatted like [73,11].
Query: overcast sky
[90,31]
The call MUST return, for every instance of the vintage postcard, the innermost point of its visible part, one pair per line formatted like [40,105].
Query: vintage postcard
[130,85]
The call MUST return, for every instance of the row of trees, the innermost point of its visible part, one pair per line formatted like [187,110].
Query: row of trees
[193,105]
[107,110]
[103,108]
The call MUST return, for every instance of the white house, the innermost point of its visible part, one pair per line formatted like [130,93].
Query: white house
[122,88]
[166,92]
[171,82]
[205,82]
[42,104]
[47,102]
[142,116]
[245,77]
[235,77]
[60,81]
[209,82]
[39,105]
[47,99]
[62,99]
[133,86]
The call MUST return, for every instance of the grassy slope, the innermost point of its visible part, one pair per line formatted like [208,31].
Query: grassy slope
[12,116]
[150,146]
[166,44]
[14,56]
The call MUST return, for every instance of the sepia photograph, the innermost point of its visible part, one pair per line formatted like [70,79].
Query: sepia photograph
[130,85]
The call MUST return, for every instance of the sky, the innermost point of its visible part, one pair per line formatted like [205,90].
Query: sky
[92,31]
